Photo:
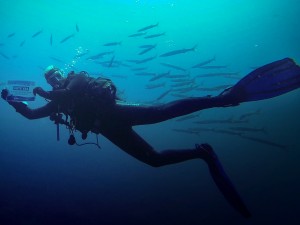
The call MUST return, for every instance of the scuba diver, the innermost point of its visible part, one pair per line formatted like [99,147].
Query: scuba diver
[91,105]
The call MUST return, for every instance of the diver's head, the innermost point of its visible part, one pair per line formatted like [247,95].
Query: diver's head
[54,76]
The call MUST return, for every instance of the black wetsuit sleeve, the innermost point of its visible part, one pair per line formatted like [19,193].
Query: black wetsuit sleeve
[37,113]
[74,87]
[55,94]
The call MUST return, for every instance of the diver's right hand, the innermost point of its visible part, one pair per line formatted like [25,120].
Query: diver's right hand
[4,94]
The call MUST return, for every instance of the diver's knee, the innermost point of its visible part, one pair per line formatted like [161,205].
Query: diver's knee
[154,160]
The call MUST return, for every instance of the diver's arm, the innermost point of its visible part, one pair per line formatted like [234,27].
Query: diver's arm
[37,113]
[73,87]
[52,95]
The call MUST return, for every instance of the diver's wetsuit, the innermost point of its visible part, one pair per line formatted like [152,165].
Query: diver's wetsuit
[117,122]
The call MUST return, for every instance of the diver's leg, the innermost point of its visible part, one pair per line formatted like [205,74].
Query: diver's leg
[138,114]
[268,81]
[130,142]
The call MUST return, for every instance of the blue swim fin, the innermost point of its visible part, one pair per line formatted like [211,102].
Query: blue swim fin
[221,179]
[268,81]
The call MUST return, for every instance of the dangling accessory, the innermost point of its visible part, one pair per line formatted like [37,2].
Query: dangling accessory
[57,118]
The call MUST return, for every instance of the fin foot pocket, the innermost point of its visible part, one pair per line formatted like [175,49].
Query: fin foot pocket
[221,179]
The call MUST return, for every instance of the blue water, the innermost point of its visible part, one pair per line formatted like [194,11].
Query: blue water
[43,181]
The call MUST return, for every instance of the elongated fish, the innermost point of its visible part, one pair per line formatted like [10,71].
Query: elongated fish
[226,132]
[173,66]
[112,43]
[11,35]
[77,27]
[152,86]
[145,74]
[111,61]
[50,40]
[158,76]
[137,34]
[257,112]
[99,55]
[22,43]
[213,67]
[186,131]
[263,141]
[147,46]
[148,27]
[225,74]
[56,59]
[146,50]
[145,60]
[188,117]
[180,51]
[67,38]
[164,94]
[199,65]
[154,35]
[3,55]
[249,129]
[139,69]
[190,82]
[37,33]
[216,88]
[230,121]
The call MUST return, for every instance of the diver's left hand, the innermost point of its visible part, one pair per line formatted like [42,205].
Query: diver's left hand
[37,90]
[4,94]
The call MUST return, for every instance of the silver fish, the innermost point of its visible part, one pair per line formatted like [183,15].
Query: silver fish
[172,66]
[152,86]
[263,141]
[185,83]
[164,94]
[11,35]
[147,46]
[198,65]
[180,51]
[225,74]
[67,38]
[146,50]
[230,121]
[56,59]
[145,74]
[216,88]
[139,69]
[137,34]
[51,39]
[188,117]
[99,55]
[37,33]
[257,112]
[213,67]
[158,76]
[113,43]
[146,60]
[154,35]
[249,129]
[186,131]
[3,55]
[22,43]
[148,27]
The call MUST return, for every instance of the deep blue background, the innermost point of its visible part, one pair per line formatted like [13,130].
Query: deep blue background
[43,181]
